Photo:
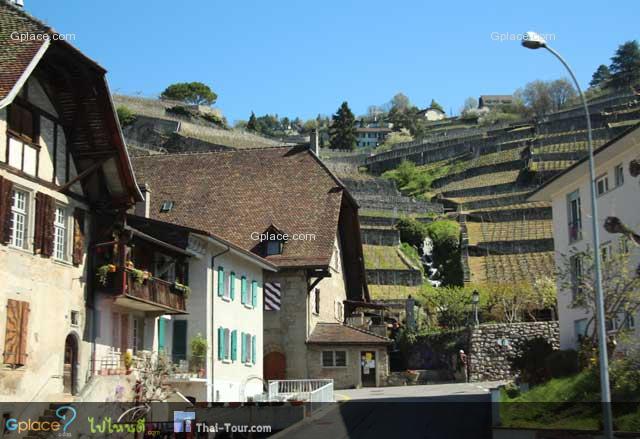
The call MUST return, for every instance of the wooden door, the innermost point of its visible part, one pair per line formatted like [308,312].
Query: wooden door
[179,341]
[275,366]
[70,364]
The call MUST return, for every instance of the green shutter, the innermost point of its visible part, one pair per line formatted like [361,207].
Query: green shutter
[220,281]
[243,344]
[234,344]
[220,343]
[161,334]
[253,349]
[232,285]
[254,293]
[243,290]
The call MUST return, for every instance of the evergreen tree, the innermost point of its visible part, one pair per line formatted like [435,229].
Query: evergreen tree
[600,77]
[343,133]
[436,105]
[625,66]
[252,125]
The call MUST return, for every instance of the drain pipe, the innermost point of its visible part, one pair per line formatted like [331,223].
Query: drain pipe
[210,395]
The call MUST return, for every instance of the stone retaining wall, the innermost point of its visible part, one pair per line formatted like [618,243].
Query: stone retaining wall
[389,237]
[491,346]
[410,278]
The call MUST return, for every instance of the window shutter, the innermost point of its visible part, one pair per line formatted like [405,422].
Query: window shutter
[220,343]
[243,290]
[6,186]
[220,281]
[234,345]
[254,294]
[253,349]
[43,231]
[78,236]
[161,332]
[243,343]
[15,342]
[232,285]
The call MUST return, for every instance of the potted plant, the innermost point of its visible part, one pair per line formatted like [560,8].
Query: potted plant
[128,361]
[102,272]
[199,348]
[184,289]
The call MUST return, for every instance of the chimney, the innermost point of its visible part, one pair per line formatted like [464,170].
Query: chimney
[314,142]
[142,208]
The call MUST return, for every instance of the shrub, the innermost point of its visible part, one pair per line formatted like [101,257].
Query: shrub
[412,231]
[625,378]
[125,116]
[512,390]
[530,362]
[561,364]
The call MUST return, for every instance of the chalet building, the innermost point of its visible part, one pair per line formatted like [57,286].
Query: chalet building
[224,309]
[432,114]
[617,196]
[285,206]
[82,288]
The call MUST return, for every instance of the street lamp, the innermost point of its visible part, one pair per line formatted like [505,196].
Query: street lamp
[475,298]
[532,40]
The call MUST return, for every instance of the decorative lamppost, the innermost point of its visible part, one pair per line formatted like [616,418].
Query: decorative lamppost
[475,299]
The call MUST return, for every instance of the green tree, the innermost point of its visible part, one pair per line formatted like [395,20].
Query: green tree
[436,105]
[125,116]
[625,66]
[600,77]
[195,93]
[343,133]
[252,124]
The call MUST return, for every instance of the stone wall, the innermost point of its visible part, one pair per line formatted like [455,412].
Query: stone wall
[379,236]
[491,346]
[394,277]
[371,186]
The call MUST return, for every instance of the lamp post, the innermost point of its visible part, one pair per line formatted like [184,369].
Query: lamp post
[532,40]
[475,299]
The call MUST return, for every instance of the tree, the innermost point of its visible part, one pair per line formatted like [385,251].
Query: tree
[625,66]
[600,77]
[436,105]
[561,92]
[342,131]
[125,116]
[620,286]
[195,93]
[252,124]
[400,102]
[470,103]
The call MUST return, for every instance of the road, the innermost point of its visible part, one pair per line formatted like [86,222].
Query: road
[442,411]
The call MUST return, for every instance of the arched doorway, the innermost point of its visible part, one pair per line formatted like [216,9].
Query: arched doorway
[275,366]
[70,370]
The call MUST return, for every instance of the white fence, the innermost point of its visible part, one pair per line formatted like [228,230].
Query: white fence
[320,390]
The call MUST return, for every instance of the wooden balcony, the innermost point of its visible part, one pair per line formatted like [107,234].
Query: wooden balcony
[151,295]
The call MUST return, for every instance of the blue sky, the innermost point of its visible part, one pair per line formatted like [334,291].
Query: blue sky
[301,58]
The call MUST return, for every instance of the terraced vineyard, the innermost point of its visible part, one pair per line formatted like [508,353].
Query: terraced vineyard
[381,257]
[392,292]
[519,267]
[484,180]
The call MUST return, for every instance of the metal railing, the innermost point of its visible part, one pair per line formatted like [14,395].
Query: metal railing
[321,390]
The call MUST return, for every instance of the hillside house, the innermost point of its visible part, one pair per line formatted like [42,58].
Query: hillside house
[371,137]
[224,309]
[617,195]
[65,179]
[432,114]
[285,206]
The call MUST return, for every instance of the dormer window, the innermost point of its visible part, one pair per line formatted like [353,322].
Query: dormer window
[166,206]
[274,247]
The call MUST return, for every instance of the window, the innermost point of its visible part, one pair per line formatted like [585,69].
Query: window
[247,347]
[19,218]
[274,248]
[138,331]
[602,185]
[605,252]
[23,149]
[60,234]
[75,318]
[334,358]
[231,291]
[576,275]
[574,215]
[166,206]
[580,328]
[316,301]
[624,245]
[619,175]
[227,344]
[339,310]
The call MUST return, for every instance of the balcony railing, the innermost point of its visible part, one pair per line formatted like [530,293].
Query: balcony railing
[154,290]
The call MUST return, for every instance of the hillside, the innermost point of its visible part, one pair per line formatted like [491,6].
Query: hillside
[484,179]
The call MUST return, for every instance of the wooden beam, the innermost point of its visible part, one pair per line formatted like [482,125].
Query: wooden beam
[83,174]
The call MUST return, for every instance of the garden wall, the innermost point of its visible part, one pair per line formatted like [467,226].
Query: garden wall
[491,346]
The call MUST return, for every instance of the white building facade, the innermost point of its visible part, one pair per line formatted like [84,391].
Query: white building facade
[618,195]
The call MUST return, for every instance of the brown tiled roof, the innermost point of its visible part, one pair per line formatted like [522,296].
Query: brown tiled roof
[234,194]
[16,55]
[337,333]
